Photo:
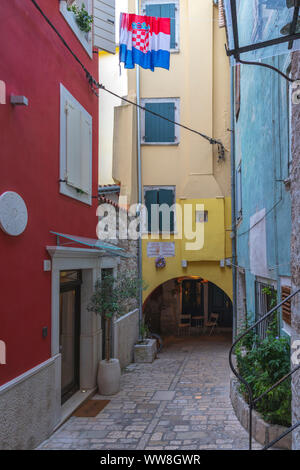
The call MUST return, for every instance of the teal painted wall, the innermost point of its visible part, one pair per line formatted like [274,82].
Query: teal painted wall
[262,147]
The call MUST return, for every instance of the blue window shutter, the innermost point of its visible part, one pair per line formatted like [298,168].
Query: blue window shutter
[166,10]
[151,197]
[153,10]
[166,196]
[157,129]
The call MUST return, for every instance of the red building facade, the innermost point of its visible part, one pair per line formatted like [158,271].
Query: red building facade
[49,157]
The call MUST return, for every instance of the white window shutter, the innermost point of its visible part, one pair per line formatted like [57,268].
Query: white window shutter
[73,151]
[86,133]
[104,25]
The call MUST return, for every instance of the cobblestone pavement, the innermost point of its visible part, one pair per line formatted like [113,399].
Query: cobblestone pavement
[180,401]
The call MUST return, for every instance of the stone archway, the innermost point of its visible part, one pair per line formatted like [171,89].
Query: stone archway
[189,294]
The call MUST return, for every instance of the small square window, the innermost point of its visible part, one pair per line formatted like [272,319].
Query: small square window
[156,130]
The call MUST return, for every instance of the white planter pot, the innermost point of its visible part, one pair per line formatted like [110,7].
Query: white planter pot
[109,375]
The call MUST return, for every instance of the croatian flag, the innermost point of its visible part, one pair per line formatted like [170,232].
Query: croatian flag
[144,40]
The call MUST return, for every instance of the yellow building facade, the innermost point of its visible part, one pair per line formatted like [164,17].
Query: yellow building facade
[198,85]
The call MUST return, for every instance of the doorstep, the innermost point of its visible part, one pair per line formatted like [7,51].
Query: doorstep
[72,404]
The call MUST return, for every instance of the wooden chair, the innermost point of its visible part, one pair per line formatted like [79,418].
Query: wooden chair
[185,324]
[212,323]
[199,321]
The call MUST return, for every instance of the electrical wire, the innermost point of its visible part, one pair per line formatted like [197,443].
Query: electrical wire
[96,85]
[270,268]
[256,223]
[261,64]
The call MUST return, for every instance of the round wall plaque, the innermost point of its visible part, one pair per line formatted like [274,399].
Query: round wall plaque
[13,213]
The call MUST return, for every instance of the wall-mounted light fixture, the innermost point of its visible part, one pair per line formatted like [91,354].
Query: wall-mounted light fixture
[18,100]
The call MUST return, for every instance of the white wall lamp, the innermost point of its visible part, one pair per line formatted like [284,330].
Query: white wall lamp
[18,100]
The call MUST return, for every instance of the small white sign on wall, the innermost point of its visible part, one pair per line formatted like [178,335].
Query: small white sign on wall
[166,249]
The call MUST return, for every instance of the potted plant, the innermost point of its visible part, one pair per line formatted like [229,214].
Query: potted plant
[83,19]
[108,300]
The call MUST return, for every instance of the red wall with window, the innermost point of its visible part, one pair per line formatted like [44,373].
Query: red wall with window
[33,63]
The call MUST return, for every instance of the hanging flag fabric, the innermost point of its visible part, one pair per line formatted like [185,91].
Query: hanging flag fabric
[144,40]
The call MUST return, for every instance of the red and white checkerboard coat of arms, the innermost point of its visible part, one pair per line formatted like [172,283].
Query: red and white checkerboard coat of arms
[140,40]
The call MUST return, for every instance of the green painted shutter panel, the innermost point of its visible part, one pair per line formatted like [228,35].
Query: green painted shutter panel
[164,11]
[157,129]
[151,197]
[168,11]
[153,10]
[166,196]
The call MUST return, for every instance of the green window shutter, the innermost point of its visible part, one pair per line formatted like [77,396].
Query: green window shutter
[151,197]
[153,10]
[157,129]
[166,10]
[166,196]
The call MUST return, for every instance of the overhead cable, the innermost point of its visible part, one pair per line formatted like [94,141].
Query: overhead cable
[96,85]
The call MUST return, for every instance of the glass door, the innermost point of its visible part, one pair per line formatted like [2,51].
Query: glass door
[70,282]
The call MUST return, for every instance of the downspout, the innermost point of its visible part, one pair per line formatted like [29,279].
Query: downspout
[233,214]
[139,182]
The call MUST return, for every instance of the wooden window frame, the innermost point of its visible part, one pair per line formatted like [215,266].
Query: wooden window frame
[84,38]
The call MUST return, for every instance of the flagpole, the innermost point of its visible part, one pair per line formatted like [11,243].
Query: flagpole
[139,179]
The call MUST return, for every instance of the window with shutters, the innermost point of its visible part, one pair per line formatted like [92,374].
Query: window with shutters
[154,129]
[75,148]
[159,202]
[84,38]
[165,9]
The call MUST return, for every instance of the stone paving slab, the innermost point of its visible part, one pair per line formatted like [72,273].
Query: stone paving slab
[180,401]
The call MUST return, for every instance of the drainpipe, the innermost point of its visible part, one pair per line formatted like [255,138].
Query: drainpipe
[233,214]
[139,182]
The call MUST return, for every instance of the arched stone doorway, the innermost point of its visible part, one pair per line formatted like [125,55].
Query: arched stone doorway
[164,307]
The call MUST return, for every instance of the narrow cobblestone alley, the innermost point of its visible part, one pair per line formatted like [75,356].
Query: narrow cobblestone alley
[181,401]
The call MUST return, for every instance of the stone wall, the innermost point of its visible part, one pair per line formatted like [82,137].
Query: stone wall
[28,407]
[262,432]
[295,244]
[126,265]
